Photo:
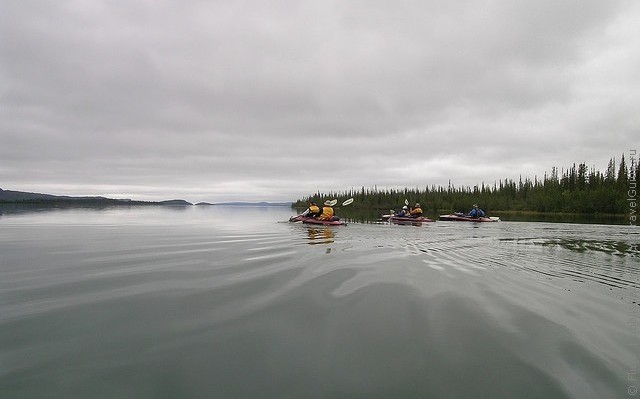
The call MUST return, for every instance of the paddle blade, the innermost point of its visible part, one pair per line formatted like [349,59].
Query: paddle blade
[333,202]
[406,201]
[347,202]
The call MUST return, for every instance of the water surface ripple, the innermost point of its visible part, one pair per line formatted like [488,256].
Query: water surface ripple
[193,303]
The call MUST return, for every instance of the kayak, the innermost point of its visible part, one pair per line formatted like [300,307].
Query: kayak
[307,220]
[407,220]
[461,217]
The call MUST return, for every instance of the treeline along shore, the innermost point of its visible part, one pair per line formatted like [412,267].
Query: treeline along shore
[576,190]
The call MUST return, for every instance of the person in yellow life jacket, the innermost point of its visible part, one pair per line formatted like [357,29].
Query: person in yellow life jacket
[416,211]
[327,211]
[313,211]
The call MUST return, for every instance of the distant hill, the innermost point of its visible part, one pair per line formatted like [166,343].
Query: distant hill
[22,197]
[11,196]
[176,202]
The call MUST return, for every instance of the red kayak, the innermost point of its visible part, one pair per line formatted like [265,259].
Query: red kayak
[307,220]
[408,220]
[461,217]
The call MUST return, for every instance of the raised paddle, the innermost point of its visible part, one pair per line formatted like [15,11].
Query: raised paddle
[347,202]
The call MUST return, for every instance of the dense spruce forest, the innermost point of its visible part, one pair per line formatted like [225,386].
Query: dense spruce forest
[578,189]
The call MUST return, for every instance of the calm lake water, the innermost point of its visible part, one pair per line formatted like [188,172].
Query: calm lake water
[234,302]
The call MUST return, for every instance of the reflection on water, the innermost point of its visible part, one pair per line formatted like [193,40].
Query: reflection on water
[563,218]
[320,235]
[237,302]
[618,248]
[595,262]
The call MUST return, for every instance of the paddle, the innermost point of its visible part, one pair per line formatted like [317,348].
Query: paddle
[344,203]
[391,213]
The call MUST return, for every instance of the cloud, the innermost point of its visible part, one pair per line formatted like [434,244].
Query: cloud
[217,101]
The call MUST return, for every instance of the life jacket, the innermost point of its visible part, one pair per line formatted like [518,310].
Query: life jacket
[314,210]
[327,213]
[416,212]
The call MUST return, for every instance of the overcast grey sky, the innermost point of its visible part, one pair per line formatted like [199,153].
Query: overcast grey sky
[274,100]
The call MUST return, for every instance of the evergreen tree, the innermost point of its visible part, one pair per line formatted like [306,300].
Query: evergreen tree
[623,174]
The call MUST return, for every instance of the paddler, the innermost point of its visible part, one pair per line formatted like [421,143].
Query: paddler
[416,211]
[404,212]
[327,211]
[313,211]
[476,212]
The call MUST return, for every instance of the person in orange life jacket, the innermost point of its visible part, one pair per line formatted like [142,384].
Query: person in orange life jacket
[327,212]
[476,212]
[416,211]
[313,211]
[404,212]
